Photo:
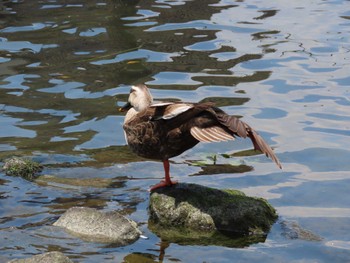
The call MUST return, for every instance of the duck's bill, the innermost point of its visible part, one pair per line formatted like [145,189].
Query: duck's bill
[125,107]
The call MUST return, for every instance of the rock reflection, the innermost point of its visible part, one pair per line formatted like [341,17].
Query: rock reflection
[192,238]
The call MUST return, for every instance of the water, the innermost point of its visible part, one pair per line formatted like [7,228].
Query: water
[283,65]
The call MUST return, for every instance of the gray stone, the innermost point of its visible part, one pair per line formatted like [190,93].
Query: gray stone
[292,230]
[205,210]
[93,225]
[50,257]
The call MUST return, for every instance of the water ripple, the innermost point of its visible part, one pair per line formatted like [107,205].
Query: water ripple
[63,66]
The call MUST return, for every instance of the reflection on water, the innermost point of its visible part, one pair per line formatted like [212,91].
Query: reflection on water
[65,65]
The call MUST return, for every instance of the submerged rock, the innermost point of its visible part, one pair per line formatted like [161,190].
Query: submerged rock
[50,257]
[79,182]
[197,212]
[95,226]
[138,257]
[292,230]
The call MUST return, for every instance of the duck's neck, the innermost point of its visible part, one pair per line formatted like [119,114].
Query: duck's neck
[130,115]
[138,107]
[143,103]
[142,106]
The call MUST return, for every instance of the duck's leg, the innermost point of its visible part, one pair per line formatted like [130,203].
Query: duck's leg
[167,181]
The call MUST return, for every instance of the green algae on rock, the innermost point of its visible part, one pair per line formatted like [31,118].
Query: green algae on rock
[210,169]
[205,212]
[21,167]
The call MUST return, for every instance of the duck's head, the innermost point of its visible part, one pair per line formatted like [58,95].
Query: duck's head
[139,98]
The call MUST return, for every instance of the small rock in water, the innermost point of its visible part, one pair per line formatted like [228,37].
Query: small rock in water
[95,226]
[50,257]
[21,167]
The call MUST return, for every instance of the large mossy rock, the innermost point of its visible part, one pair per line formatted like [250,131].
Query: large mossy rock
[97,226]
[196,212]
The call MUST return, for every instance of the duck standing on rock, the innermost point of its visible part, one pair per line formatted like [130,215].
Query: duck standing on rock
[167,129]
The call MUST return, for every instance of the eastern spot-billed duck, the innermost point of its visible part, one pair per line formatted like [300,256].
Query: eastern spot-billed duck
[164,130]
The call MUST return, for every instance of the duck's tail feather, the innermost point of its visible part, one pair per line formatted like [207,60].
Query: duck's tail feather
[242,129]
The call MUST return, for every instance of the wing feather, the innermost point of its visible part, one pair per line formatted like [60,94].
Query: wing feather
[167,111]
[242,129]
[211,134]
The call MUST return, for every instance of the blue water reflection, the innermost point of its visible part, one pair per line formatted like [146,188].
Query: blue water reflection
[65,66]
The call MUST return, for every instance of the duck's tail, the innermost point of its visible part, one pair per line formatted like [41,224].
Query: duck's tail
[242,129]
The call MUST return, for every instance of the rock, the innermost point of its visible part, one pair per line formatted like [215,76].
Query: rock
[223,169]
[21,167]
[141,257]
[204,211]
[292,230]
[95,226]
[50,257]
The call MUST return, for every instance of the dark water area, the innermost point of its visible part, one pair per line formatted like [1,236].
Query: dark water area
[282,65]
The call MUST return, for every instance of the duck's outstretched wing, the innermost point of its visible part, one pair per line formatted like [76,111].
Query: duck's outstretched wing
[214,125]
[207,123]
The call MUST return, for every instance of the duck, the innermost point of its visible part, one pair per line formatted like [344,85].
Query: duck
[162,130]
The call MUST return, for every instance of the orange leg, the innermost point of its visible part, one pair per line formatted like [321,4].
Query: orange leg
[167,181]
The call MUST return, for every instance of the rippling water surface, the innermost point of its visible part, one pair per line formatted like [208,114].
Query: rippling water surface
[283,65]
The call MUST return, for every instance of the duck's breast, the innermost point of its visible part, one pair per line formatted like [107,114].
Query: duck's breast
[157,138]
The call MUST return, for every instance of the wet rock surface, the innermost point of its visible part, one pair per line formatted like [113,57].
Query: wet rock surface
[93,225]
[190,211]
[50,257]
